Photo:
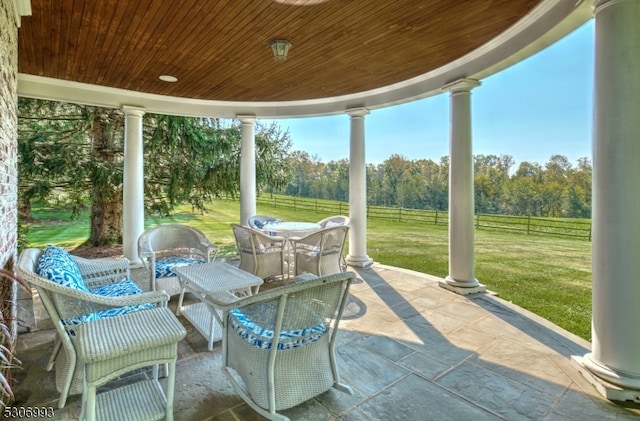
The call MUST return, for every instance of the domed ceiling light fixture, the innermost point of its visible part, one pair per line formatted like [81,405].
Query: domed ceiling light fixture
[280,49]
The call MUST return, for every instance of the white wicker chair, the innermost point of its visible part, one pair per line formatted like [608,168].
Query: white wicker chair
[167,246]
[334,220]
[280,342]
[99,349]
[320,253]
[260,254]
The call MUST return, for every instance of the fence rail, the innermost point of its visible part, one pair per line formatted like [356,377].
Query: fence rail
[576,228]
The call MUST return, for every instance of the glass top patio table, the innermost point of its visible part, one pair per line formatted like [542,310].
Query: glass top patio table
[289,229]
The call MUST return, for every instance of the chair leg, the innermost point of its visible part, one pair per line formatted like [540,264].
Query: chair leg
[170,390]
[180,302]
[57,344]
[343,388]
[72,361]
[83,402]
[91,403]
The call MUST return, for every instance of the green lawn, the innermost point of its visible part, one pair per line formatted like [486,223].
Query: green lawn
[549,276]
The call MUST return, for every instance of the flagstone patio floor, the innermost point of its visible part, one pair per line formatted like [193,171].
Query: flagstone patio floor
[410,349]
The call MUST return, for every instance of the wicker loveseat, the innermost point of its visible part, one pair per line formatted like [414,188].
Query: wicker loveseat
[106,326]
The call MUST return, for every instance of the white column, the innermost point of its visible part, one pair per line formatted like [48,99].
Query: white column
[613,365]
[357,255]
[461,198]
[133,183]
[247,169]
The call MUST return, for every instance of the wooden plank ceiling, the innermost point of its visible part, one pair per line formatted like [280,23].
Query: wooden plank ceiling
[219,50]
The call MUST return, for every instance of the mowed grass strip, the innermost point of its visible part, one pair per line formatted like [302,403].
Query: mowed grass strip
[548,276]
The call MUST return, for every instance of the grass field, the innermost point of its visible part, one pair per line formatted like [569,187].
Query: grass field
[549,276]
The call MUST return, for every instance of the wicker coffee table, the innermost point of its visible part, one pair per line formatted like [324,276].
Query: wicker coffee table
[208,279]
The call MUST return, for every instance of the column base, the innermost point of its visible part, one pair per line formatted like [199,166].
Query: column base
[359,261]
[462,288]
[135,264]
[611,385]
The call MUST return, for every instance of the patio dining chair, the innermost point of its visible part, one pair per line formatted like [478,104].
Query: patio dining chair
[320,252]
[260,254]
[167,247]
[105,324]
[278,345]
[333,221]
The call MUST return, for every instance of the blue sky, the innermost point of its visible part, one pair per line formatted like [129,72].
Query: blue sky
[532,110]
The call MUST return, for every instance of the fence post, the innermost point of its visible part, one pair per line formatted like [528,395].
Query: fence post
[399,214]
[316,205]
[436,218]
[275,200]
[590,226]
[528,223]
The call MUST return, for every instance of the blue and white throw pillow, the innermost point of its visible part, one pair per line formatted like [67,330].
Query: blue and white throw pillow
[164,267]
[57,265]
[116,289]
[120,289]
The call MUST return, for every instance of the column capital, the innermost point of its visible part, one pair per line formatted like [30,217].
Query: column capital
[601,4]
[461,85]
[357,112]
[246,118]
[133,110]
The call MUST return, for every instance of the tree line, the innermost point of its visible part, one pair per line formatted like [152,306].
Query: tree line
[555,189]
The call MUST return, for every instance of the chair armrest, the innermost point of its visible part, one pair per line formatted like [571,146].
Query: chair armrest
[148,259]
[96,272]
[153,297]
[211,252]
[71,302]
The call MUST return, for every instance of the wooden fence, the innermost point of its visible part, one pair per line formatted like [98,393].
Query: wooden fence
[564,227]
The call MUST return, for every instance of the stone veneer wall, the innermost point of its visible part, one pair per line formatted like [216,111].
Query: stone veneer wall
[8,131]
[8,146]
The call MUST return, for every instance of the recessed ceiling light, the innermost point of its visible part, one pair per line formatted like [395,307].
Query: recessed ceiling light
[168,78]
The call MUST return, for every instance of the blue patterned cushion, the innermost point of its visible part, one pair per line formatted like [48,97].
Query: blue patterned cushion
[164,267]
[262,338]
[119,289]
[57,265]
[116,289]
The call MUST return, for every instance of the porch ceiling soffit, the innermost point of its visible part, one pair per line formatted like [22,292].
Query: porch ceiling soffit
[543,23]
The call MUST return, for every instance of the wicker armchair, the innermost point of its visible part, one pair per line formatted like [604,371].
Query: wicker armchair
[100,337]
[168,246]
[333,221]
[260,254]
[320,253]
[278,345]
